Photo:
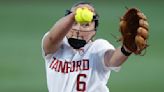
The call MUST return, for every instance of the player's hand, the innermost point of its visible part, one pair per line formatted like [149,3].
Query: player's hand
[134,30]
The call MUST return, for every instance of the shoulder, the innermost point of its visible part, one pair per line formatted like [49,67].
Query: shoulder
[103,43]
[101,46]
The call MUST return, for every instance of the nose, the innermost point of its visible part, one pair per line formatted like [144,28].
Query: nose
[76,27]
[76,30]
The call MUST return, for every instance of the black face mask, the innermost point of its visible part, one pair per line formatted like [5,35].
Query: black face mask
[76,43]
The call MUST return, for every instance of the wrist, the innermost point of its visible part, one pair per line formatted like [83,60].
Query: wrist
[125,51]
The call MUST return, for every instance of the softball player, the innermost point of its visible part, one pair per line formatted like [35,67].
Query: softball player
[76,63]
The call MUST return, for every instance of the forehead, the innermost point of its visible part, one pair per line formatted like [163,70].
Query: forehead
[82,6]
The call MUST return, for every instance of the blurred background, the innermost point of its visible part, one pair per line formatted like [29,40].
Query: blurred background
[24,22]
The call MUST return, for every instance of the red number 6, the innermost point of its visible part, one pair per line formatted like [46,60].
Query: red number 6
[81,85]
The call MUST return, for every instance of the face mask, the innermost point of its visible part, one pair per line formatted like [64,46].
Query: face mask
[76,43]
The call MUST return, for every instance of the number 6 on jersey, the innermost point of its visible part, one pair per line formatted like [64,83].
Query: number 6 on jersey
[81,85]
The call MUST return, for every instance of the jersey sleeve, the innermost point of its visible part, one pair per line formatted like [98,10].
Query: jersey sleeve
[43,52]
[101,46]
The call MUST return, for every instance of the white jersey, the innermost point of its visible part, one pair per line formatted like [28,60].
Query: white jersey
[69,70]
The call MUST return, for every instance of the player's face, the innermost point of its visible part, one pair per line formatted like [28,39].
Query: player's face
[82,31]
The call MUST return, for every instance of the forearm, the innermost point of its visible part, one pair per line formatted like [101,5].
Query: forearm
[117,58]
[61,28]
[53,40]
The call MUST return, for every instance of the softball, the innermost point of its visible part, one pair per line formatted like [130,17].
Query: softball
[87,15]
[78,17]
[83,15]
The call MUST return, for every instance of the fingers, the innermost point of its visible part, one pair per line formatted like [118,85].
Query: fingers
[143,20]
[142,32]
[140,42]
[141,39]
[143,23]
[141,15]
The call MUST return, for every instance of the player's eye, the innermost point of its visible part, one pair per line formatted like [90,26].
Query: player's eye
[75,23]
[85,25]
